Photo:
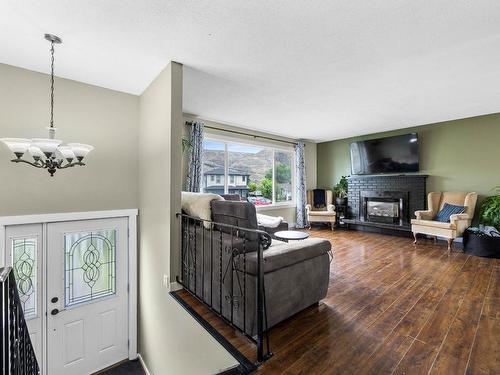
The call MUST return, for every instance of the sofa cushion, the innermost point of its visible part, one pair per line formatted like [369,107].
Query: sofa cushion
[269,221]
[433,223]
[240,214]
[448,209]
[282,254]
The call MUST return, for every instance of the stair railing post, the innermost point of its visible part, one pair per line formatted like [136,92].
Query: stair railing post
[260,305]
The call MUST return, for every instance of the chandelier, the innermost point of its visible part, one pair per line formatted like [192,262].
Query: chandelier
[48,153]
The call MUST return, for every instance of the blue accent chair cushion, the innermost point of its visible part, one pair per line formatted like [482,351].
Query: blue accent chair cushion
[447,211]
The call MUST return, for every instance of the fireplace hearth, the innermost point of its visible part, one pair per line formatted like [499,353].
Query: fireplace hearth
[385,204]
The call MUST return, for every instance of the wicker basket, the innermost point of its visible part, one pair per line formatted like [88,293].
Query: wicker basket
[480,244]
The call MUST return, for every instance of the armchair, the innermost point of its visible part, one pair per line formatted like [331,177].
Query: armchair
[321,215]
[425,223]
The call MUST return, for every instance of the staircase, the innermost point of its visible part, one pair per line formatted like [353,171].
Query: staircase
[17,356]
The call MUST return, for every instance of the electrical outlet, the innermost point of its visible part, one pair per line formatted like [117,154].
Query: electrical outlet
[166,282]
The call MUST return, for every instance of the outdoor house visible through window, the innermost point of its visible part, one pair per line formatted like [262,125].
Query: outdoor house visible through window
[261,174]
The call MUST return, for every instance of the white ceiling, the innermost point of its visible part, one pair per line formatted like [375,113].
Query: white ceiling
[318,70]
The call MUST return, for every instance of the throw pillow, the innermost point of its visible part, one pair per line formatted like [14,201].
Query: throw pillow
[447,211]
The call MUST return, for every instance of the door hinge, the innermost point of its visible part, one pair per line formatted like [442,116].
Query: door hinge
[128,232]
[128,344]
[128,288]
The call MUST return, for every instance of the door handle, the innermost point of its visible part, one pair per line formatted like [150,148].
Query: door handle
[54,312]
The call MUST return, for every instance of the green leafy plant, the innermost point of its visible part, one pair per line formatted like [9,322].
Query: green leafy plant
[340,190]
[186,144]
[490,210]
[266,187]
[252,186]
[283,173]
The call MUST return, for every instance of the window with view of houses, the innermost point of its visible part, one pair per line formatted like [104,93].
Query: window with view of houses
[262,175]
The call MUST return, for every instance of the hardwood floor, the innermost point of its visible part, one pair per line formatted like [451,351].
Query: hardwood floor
[392,308]
[124,368]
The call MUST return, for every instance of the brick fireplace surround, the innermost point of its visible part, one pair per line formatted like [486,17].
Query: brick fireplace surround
[408,191]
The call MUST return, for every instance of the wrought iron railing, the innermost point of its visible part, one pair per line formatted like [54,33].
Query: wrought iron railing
[17,355]
[222,266]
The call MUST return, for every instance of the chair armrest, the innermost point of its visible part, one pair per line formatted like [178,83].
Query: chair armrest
[459,217]
[424,215]
[461,222]
[308,207]
[330,207]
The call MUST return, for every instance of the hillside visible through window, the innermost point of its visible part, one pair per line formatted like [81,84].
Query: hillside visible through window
[249,172]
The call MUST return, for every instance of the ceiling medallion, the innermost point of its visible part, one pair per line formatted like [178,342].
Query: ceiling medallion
[48,153]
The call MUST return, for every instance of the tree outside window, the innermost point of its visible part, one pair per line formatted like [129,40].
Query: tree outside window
[261,174]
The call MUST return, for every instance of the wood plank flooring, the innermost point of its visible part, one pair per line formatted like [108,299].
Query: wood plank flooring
[392,308]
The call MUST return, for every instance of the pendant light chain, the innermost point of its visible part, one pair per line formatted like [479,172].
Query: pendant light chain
[52,86]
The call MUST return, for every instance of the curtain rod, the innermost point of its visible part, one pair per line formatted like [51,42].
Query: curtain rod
[242,133]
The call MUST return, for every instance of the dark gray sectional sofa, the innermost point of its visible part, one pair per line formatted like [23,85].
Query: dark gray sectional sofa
[282,226]
[296,274]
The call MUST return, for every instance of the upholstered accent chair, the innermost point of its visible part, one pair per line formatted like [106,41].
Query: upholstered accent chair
[324,214]
[425,223]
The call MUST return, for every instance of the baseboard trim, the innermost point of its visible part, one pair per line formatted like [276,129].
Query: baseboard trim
[143,364]
[236,370]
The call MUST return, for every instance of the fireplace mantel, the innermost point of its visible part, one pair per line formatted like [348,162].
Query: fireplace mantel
[387,176]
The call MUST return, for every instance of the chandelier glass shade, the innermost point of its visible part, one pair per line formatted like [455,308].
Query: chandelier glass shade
[48,153]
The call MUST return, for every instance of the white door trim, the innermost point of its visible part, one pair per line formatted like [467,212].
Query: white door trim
[131,214]
[66,216]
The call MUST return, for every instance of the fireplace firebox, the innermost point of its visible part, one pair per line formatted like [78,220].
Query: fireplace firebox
[384,207]
[382,211]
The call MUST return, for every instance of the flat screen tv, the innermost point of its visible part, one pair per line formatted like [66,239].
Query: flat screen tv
[398,154]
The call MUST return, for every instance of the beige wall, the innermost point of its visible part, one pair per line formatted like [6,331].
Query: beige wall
[287,213]
[83,113]
[170,341]
[460,155]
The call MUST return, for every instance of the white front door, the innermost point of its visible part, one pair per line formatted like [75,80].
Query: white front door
[87,299]
[24,252]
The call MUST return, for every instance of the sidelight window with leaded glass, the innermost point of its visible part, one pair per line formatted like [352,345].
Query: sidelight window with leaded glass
[24,264]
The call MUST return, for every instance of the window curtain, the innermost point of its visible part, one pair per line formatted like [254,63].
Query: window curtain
[300,185]
[193,182]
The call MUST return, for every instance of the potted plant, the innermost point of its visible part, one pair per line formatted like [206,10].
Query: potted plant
[490,210]
[485,243]
[340,191]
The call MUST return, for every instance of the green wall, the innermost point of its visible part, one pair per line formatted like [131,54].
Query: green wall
[459,155]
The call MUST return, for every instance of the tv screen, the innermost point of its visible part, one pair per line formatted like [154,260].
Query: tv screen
[398,154]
